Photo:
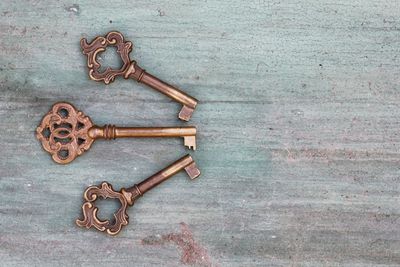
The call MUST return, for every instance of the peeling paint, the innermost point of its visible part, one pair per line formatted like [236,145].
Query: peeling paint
[74,9]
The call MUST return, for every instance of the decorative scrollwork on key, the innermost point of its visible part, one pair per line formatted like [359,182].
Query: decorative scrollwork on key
[89,210]
[63,132]
[99,45]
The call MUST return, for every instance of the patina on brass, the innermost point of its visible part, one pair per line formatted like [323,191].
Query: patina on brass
[127,196]
[130,69]
[66,132]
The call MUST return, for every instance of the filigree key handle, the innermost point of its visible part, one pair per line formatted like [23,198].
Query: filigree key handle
[66,132]
[130,69]
[128,196]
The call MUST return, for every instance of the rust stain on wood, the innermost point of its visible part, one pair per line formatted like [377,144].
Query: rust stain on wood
[192,252]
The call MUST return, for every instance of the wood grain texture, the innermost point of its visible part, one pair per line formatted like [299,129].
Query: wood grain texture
[298,127]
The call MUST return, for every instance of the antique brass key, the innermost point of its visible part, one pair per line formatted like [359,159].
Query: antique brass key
[130,69]
[66,132]
[128,196]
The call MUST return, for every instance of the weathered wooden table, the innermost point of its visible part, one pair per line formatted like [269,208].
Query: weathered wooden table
[298,133]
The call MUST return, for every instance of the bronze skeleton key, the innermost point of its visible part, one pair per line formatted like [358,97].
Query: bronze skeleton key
[128,196]
[66,132]
[130,69]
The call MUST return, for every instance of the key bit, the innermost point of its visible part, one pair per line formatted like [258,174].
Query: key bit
[127,196]
[66,132]
[130,69]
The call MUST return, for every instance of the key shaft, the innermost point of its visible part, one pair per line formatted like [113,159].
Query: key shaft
[140,75]
[128,196]
[112,132]
[185,162]
[188,133]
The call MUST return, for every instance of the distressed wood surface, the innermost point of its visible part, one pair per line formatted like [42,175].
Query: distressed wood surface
[298,133]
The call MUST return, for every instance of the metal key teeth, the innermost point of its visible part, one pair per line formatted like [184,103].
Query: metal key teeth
[186,113]
[190,142]
[193,171]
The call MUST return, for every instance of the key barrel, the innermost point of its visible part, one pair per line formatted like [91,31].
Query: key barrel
[128,196]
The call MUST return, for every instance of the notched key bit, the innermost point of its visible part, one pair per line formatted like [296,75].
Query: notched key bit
[127,196]
[130,69]
[66,132]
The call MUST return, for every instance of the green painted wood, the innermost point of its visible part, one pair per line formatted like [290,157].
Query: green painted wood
[298,133]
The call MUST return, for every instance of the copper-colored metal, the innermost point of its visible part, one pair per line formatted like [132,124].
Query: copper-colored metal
[128,196]
[66,132]
[130,69]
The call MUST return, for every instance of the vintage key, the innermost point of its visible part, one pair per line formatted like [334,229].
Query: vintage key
[128,196]
[130,69]
[66,132]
